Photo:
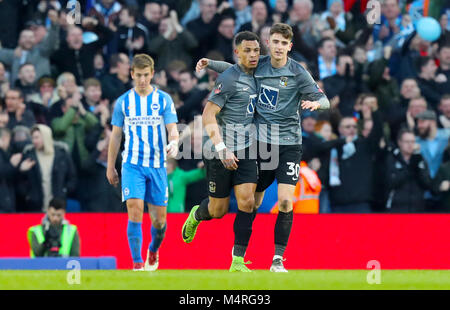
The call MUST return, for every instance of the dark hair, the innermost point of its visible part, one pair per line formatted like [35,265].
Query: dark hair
[58,203]
[114,60]
[18,90]
[191,74]
[132,11]
[284,29]
[323,40]
[402,131]
[247,36]
[423,61]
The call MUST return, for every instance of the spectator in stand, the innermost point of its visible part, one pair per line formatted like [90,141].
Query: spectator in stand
[305,23]
[131,36]
[8,172]
[432,86]
[92,98]
[27,80]
[17,111]
[4,119]
[173,42]
[407,176]
[390,21]
[441,185]
[224,39]
[444,110]
[151,18]
[243,13]
[326,60]
[383,84]
[343,24]
[72,128]
[259,17]
[351,190]
[117,81]
[178,181]
[433,142]
[99,195]
[77,57]
[343,84]
[66,88]
[28,51]
[4,84]
[444,60]
[191,96]
[47,171]
[204,28]
[106,11]
[280,13]
[431,139]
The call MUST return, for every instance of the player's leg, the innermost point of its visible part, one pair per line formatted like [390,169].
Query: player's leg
[287,176]
[156,197]
[158,216]
[133,192]
[216,205]
[242,224]
[135,209]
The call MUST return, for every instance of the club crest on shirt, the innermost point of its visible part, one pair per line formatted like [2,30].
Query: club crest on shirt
[218,88]
[283,81]
[212,187]
[155,106]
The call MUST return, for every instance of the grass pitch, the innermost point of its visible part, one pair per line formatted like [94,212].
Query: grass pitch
[224,280]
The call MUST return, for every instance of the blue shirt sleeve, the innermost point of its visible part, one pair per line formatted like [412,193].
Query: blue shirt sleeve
[118,116]
[169,114]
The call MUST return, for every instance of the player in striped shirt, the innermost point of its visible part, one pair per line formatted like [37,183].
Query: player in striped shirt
[143,114]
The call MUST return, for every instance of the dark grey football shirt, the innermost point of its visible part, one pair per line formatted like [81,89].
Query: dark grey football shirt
[280,92]
[235,93]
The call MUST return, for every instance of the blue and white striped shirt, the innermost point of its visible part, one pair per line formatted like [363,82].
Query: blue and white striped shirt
[143,121]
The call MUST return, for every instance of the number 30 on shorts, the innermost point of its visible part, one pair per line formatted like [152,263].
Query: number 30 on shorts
[294,169]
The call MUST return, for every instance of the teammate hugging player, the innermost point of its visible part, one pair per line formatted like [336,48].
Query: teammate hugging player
[229,113]
[282,85]
[141,114]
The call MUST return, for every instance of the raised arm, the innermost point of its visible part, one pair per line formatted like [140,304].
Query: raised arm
[218,66]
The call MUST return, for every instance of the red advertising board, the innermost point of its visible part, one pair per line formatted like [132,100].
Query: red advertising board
[325,241]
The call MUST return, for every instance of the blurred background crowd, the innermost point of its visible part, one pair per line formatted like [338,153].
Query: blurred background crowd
[382,147]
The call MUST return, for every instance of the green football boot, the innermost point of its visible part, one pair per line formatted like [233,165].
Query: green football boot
[238,264]
[190,226]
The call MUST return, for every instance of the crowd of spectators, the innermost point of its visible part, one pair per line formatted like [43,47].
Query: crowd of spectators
[382,147]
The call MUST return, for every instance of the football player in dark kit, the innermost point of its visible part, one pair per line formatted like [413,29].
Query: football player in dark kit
[228,121]
[284,88]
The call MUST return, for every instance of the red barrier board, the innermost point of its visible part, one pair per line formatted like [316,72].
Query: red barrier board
[325,241]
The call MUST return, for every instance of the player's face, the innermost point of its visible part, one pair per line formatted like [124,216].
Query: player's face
[142,77]
[248,53]
[279,46]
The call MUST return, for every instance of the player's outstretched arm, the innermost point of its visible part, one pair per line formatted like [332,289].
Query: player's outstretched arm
[113,151]
[228,159]
[218,66]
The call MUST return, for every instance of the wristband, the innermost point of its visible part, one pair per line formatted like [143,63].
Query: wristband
[220,147]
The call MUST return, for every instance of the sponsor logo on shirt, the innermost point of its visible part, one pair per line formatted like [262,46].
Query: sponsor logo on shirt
[268,97]
[143,120]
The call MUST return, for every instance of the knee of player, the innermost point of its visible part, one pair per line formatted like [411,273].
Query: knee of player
[285,204]
[247,204]
[219,213]
[159,223]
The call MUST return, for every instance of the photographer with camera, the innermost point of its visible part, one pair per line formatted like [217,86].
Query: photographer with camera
[55,236]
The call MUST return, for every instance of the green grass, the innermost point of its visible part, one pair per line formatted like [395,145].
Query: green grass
[223,280]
